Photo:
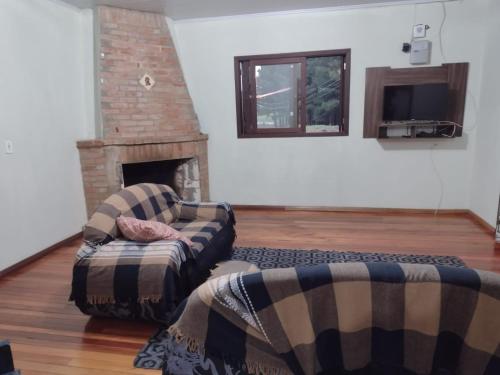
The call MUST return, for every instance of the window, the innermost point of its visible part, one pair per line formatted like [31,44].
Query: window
[293,94]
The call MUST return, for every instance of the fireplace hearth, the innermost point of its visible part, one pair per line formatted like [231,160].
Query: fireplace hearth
[104,162]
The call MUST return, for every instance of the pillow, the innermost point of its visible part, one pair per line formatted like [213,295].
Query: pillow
[101,227]
[232,266]
[148,231]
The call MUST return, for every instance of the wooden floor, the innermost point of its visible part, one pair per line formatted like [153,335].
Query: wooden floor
[50,336]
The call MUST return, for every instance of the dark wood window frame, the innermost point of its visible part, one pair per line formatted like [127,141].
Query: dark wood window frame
[247,129]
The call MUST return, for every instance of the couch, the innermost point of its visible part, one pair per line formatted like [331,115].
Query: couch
[115,277]
[6,361]
[340,318]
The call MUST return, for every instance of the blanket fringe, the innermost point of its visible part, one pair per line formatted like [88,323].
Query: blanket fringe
[153,299]
[101,300]
[194,345]
[259,368]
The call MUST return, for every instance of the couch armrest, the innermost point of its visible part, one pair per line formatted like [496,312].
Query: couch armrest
[208,211]
[6,361]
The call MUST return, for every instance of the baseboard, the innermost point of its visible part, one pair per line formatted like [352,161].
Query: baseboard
[38,255]
[490,229]
[375,210]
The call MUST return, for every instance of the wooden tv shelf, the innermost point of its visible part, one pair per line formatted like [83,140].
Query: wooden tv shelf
[455,75]
[417,129]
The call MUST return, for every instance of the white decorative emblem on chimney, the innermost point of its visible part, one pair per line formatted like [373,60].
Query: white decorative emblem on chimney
[147,81]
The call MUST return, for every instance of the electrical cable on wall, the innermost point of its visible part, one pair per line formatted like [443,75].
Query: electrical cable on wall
[440,179]
[414,19]
[441,49]
[465,130]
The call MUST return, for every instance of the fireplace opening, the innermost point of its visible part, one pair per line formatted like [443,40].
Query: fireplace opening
[180,174]
[157,172]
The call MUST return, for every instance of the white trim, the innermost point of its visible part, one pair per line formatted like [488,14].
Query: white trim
[306,11]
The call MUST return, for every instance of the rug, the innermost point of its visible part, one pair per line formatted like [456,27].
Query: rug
[181,361]
[264,257]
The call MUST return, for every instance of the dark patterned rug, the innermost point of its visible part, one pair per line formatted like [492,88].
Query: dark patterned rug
[264,257]
[180,361]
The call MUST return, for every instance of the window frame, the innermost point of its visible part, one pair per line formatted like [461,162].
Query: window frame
[245,131]
[300,94]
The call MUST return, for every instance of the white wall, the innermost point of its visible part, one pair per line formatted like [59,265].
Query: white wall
[330,171]
[44,109]
[46,104]
[486,176]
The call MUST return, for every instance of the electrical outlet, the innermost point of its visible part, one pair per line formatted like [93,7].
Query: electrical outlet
[9,147]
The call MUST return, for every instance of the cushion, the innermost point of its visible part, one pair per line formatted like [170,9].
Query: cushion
[148,231]
[200,232]
[232,266]
[142,201]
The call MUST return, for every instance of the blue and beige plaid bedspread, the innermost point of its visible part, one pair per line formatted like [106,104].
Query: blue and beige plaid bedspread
[128,271]
[375,318]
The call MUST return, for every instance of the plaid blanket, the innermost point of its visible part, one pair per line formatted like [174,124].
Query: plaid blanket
[378,318]
[127,271]
[150,202]
[142,201]
[108,270]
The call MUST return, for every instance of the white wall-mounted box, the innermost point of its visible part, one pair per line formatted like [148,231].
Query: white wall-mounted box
[420,52]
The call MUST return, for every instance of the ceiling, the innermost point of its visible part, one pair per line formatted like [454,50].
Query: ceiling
[186,9]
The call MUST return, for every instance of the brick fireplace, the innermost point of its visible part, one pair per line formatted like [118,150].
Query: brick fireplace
[145,113]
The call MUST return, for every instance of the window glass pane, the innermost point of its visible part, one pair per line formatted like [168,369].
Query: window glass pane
[276,95]
[324,90]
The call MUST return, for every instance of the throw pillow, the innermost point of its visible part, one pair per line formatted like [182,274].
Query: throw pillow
[148,231]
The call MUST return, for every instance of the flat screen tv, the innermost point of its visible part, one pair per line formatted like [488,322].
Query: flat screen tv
[426,102]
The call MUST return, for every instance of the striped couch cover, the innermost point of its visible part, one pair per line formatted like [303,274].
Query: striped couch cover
[125,279]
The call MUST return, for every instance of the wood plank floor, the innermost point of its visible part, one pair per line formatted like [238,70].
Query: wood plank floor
[50,336]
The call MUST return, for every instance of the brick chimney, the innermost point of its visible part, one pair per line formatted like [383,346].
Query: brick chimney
[146,113]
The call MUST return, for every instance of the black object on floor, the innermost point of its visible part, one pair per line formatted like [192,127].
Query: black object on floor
[6,361]
[180,360]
